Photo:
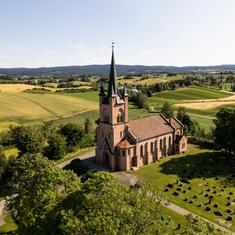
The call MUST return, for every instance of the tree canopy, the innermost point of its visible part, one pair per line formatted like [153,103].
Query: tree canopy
[224,131]
[167,110]
[50,200]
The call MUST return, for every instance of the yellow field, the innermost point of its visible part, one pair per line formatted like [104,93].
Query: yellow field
[209,103]
[30,106]
[15,87]
[148,80]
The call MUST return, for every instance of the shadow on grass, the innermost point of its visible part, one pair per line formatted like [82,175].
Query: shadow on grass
[202,165]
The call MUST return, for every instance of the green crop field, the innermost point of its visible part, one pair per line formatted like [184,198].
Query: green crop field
[29,106]
[18,107]
[188,93]
[200,180]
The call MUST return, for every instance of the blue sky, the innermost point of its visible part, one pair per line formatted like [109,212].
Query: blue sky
[37,33]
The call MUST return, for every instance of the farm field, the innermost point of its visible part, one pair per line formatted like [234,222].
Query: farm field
[15,88]
[18,107]
[188,93]
[200,180]
[29,106]
[149,80]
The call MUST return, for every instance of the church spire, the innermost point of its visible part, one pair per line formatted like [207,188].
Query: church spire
[113,85]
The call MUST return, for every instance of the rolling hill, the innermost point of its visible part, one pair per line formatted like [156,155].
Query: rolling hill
[104,70]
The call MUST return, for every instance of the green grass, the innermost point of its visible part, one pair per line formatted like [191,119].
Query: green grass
[41,106]
[10,224]
[90,96]
[188,93]
[208,169]
[205,122]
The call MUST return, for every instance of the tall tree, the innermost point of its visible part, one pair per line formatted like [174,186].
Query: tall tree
[224,131]
[167,110]
[28,138]
[56,147]
[72,133]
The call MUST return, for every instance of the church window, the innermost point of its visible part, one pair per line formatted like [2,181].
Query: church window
[146,147]
[118,118]
[120,134]
[124,153]
[164,141]
[141,151]
[160,143]
[169,140]
[122,118]
[151,147]
[129,151]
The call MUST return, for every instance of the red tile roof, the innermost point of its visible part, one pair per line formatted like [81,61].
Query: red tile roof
[175,123]
[150,127]
[124,144]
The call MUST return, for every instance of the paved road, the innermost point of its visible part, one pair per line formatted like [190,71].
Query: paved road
[87,158]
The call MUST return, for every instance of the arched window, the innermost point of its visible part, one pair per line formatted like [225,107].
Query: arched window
[164,142]
[141,151]
[160,143]
[169,140]
[151,147]
[118,118]
[121,115]
[146,148]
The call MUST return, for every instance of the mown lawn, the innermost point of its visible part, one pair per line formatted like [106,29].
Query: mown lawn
[200,180]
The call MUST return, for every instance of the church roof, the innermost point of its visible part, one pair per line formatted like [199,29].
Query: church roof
[150,127]
[175,123]
[125,143]
[113,84]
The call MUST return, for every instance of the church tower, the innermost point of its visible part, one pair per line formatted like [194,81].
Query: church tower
[113,122]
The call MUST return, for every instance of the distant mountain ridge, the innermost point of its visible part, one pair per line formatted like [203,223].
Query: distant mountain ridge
[104,70]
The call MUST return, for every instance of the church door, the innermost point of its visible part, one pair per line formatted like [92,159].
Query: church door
[106,159]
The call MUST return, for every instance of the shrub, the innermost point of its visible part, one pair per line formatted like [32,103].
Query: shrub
[56,148]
